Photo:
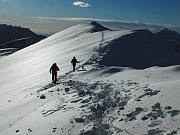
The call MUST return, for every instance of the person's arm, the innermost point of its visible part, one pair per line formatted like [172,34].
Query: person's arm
[57,68]
[77,61]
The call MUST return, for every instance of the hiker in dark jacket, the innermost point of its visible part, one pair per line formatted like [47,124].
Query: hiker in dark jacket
[74,61]
[54,68]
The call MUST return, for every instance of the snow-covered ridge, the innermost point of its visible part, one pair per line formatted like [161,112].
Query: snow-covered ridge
[60,48]
[142,49]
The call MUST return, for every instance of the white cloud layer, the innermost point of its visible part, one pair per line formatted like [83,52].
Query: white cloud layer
[81,4]
[5,21]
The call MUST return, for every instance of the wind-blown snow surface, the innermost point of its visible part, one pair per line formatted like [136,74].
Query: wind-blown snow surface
[96,100]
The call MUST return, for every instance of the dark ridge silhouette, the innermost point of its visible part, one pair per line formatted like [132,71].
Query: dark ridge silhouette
[140,50]
[97,27]
[15,45]
[168,35]
[9,33]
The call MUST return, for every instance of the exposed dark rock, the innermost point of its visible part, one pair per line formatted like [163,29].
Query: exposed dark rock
[67,89]
[156,106]
[42,96]
[138,110]
[168,107]
[173,113]
[121,108]
[154,131]
[144,118]
[97,27]
[79,120]
[129,114]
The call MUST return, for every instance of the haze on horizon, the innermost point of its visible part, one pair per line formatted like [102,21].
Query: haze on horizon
[48,17]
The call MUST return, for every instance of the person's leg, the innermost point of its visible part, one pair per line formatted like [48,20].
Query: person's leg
[53,78]
[74,66]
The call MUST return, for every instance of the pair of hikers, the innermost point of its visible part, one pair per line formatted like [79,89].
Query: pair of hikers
[54,69]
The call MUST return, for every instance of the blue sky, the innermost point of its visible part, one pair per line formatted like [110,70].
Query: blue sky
[51,16]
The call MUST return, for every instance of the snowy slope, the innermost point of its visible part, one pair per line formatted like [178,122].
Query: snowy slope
[27,70]
[32,64]
[97,100]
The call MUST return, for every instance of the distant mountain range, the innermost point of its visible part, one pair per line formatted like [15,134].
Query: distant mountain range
[168,35]
[13,38]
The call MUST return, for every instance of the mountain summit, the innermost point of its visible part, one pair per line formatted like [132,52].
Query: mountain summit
[97,27]
[168,35]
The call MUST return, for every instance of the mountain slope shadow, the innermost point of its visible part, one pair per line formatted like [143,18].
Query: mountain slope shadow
[112,70]
[140,50]
[177,68]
